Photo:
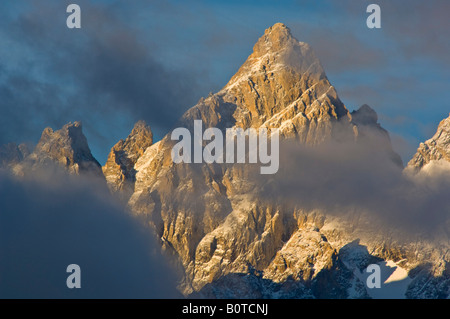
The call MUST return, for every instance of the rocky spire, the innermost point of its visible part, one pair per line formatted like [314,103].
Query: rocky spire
[277,49]
[281,85]
[370,133]
[365,115]
[67,147]
[119,168]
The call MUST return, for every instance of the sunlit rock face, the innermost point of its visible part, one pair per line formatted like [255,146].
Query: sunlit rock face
[435,149]
[67,148]
[119,168]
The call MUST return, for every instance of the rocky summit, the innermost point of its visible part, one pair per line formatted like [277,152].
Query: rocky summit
[281,85]
[66,147]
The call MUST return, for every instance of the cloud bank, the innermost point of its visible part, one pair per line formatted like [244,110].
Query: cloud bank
[50,221]
[344,178]
[104,74]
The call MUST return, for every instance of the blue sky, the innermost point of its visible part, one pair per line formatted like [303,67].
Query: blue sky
[153,60]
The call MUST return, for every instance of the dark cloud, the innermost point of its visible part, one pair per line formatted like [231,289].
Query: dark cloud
[105,72]
[415,29]
[51,220]
[419,28]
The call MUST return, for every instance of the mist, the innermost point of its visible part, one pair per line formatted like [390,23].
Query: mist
[341,179]
[50,220]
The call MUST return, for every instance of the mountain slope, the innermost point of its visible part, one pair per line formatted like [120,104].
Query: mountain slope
[435,149]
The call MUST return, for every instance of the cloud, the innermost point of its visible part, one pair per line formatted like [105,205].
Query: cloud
[51,220]
[339,50]
[343,178]
[404,146]
[419,28]
[106,72]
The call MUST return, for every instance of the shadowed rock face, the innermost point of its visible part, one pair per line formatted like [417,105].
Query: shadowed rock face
[370,132]
[119,168]
[435,149]
[365,115]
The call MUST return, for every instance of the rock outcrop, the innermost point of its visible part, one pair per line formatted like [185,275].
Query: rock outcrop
[67,147]
[436,149]
[370,132]
[119,169]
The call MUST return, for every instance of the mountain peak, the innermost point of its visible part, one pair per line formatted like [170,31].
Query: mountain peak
[278,50]
[283,85]
[70,136]
[278,33]
[67,146]
[119,168]
[279,42]
[365,115]
[142,127]
[277,27]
